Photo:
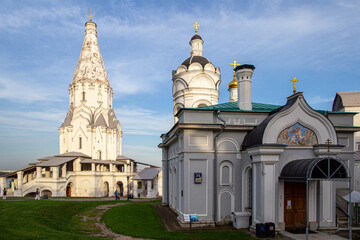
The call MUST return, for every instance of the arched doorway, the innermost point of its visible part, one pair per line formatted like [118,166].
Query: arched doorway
[106,189]
[68,190]
[297,176]
[120,188]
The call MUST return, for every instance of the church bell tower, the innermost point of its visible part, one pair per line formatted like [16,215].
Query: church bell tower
[196,81]
[91,126]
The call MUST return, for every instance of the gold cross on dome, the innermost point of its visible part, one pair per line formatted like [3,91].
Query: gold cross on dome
[234,64]
[196,25]
[328,144]
[294,80]
[90,13]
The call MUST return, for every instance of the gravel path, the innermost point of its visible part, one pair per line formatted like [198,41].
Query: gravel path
[100,225]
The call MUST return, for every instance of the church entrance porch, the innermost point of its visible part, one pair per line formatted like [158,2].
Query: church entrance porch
[295,205]
[309,192]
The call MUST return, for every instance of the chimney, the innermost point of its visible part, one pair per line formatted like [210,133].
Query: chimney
[243,75]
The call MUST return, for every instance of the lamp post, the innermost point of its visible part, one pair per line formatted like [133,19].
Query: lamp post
[128,192]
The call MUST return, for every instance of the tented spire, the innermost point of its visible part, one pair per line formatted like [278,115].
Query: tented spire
[90,66]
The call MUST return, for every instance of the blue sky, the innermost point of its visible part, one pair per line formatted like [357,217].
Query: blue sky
[141,42]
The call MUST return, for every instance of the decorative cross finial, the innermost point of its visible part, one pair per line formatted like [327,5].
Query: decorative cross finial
[294,80]
[90,13]
[234,64]
[196,25]
[328,144]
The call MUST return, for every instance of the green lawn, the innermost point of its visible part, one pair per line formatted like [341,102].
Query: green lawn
[44,219]
[140,220]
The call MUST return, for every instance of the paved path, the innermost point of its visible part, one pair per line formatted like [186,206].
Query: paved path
[312,236]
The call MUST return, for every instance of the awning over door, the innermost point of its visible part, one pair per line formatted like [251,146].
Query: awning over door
[328,168]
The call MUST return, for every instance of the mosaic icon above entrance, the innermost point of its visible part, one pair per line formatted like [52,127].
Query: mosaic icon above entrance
[297,135]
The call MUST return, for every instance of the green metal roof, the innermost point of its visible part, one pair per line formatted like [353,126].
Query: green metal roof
[256,107]
[232,107]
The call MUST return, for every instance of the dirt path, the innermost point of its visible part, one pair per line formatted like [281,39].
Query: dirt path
[98,227]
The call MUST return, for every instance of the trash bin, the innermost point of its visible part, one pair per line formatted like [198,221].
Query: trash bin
[270,229]
[260,230]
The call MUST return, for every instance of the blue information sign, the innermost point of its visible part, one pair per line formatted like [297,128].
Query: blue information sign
[193,217]
[198,177]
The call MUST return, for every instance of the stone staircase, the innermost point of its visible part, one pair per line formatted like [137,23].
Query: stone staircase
[342,220]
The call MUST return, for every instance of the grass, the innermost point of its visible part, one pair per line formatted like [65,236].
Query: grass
[44,219]
[140,220]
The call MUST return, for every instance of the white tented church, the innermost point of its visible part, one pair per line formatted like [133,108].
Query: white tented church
[90,162]
[253,159]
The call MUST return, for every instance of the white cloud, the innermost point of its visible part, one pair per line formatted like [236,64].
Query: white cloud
[18,19]
[25,92]
[320,99]
[139,121]
[22,123]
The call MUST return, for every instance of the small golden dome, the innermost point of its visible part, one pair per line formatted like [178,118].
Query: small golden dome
[233,83]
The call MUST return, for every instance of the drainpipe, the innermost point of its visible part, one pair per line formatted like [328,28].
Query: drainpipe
[215,164]
[167,176]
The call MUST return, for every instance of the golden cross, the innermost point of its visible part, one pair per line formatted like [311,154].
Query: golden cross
[90,13]
[294,80]
[234,64]
[328,144]
[196,25]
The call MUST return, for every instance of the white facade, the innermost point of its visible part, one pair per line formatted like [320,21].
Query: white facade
[233,157]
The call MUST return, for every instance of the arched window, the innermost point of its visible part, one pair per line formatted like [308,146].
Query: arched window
[80,142]
[202,105]
[83,96]
[226,173]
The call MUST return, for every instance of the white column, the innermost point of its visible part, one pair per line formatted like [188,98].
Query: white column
[39,172]
[2,185]
[265,181]
[20,180]
[30,176]
[149,190]
[135,189]
[93,167]
[64,170]
[55,171]
[47,173]
[327,205]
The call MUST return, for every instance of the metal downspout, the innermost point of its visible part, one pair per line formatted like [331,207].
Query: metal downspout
[167,176]
[215,164]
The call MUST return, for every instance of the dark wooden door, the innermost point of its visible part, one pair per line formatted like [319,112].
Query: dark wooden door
[295,205]
[68,191]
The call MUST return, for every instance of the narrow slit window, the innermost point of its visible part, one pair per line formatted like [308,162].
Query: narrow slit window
[80,142]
